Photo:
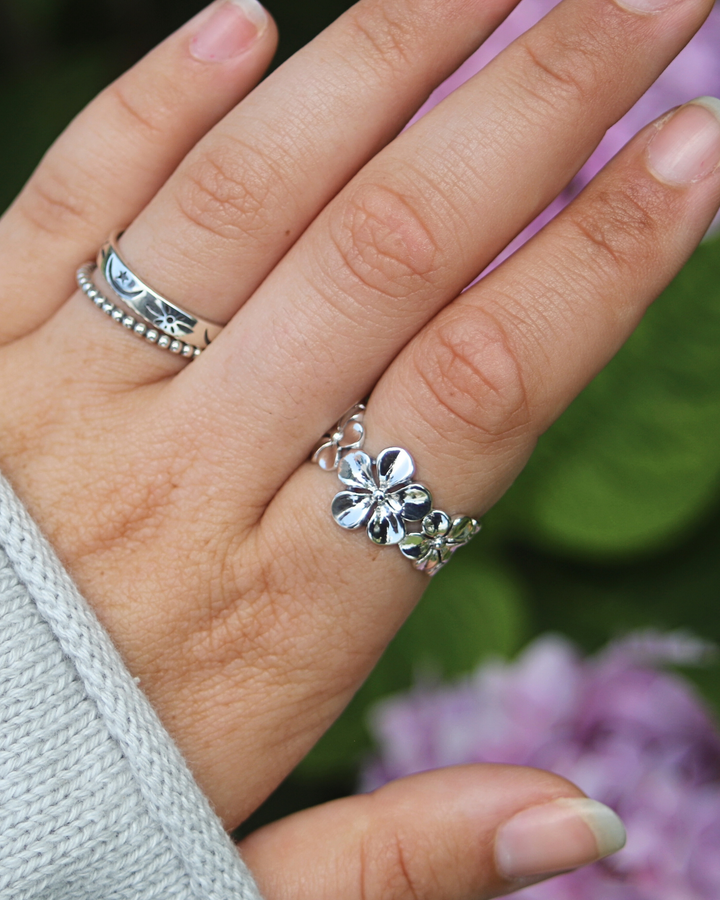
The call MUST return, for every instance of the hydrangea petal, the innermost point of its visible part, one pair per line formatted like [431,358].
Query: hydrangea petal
[351,510]
[385,527]
[355,470]
[414,546]
[416,502]
[395,467]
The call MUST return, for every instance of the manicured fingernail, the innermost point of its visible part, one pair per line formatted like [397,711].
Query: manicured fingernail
[233,28]
[557,836]
[687,146]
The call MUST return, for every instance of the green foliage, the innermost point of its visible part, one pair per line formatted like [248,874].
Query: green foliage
[635,460]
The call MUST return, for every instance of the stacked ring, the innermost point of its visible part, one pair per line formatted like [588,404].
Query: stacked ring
[141,329]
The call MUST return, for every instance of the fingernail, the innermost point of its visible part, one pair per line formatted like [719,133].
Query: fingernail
[687,146]
[233,28]
[557,836]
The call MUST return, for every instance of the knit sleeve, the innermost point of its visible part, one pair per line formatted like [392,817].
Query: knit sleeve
[96,802]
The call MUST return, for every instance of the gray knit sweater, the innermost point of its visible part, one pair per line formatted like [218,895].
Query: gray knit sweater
[96,802]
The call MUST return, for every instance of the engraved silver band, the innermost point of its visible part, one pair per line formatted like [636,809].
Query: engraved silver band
[152,308]
[381,496]
[151,335]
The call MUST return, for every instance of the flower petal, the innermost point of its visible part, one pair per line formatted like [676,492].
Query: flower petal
[355,470]
[436,523]
[463,529]
[351,510]
[385,527]
[353,435]
[435,560]
[395,467]
[416,502]
[414,546]
[326,455]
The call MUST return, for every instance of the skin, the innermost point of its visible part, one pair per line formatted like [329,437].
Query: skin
[180,498]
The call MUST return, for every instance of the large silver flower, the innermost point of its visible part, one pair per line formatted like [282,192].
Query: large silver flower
[380,496]
[441,536]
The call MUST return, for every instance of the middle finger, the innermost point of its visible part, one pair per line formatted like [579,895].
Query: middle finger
[421,220]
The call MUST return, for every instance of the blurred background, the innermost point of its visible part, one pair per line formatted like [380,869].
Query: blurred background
[614,525]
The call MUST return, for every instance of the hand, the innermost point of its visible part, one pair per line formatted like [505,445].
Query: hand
[179,496]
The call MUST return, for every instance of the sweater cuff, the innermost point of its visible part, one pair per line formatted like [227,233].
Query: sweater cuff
[95,799]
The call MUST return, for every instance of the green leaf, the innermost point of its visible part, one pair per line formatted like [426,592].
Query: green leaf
[472,609]
[636,458]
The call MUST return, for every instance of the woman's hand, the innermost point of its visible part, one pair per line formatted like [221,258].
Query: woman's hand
[179,496]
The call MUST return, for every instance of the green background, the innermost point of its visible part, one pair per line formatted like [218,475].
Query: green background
[615,523]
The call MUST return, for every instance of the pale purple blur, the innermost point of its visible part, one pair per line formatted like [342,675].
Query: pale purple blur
[627,733]
[694,73]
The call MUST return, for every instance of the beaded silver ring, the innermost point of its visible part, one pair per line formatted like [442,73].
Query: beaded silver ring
[141,329]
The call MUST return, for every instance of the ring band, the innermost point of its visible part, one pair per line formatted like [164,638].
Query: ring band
[154,309]
[381,496]
[151,335]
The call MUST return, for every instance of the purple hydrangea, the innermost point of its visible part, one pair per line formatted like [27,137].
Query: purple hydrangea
[694,73]
[629,734]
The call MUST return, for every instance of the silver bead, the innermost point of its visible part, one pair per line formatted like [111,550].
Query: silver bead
[99,301]
[91,291]
[117,315]
[164,341]
[128,321]
[108,307]
[175,346]
[140,329]
[152,336]
[196,352]
[188,351]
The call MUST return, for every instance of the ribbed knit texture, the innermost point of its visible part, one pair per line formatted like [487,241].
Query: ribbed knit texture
[96,802]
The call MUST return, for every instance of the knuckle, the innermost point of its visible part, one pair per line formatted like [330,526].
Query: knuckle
[556,68]
[382,34]
[619,228]
[471,371]
[54,202]
[226,192]
[383,244]
[394,865]
[138,110]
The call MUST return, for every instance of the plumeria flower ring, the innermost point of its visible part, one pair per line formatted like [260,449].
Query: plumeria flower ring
[348,435]
[430,549]
[381,495]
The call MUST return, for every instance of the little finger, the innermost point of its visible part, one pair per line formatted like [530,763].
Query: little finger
[108,164]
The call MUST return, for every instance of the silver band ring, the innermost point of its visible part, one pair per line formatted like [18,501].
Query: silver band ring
[155,310]
[151,335]
[381,496]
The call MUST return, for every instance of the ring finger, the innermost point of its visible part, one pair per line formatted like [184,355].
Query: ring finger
[469,396]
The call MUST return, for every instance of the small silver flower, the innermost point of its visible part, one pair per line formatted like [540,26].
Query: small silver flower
[431,548]
[380,498]
[348,435]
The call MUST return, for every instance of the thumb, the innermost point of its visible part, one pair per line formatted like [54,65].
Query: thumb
[461,833]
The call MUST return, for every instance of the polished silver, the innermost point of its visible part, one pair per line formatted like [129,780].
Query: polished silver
[347,435]
[151,335]
[382,497]
[175,323]
[440,536]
